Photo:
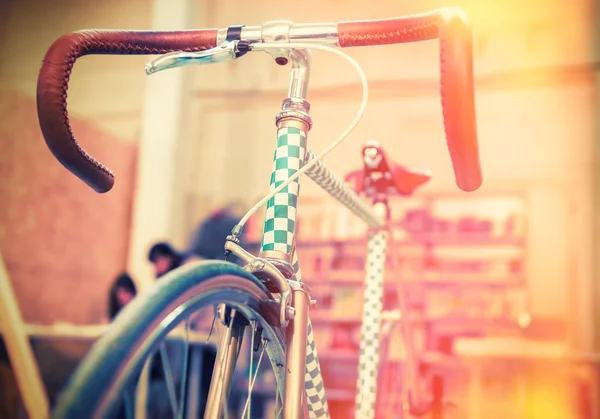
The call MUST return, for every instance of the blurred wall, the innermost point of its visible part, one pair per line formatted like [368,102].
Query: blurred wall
[63,243]
[61,246]
[107,91]
[596,226]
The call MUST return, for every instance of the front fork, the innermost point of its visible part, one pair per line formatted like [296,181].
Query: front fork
[294,403]
[229,347]
[294,304]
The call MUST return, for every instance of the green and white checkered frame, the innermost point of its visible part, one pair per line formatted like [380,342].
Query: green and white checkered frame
[279,230]
[280,217]
[278,235]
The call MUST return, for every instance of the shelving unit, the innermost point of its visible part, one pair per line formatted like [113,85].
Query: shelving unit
[333,268]
[463,276]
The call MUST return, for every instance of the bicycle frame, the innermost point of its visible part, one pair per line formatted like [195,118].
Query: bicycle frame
[278,255]
[368,361]
[302,370]
[377,180]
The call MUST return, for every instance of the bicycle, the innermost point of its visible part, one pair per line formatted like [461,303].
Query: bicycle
[268,293]
[378,180]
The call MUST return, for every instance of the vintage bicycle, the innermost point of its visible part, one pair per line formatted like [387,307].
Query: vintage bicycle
[267,297]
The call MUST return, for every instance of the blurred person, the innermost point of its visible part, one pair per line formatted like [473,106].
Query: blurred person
[164,258]
[208,240]
[207,243]
[121,293]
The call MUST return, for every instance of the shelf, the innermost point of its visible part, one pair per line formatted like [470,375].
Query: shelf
[340,395]
[327,318]
[387,316]
[339,354]
[468,325]
[357,278]
[425,239]
[509,347]
[445,325]
[93,332]
[429,357]
[440,240]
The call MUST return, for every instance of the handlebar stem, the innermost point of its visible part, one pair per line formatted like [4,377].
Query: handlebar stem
[278,30]
[300,73]
[296,106]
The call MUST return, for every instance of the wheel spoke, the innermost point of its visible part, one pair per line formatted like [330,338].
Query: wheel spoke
[252,379]
[250,366]
[212,326]
[278,397]
[128,402]
[114,360]
[276,402]
[183,382]
[225,365]
[169,379]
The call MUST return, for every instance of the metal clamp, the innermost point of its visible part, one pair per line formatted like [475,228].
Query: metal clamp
[268,273]
[296,286]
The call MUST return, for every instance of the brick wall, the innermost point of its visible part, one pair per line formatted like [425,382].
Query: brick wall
[63,243]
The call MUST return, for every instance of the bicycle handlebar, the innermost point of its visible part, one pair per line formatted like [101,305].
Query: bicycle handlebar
[450,25]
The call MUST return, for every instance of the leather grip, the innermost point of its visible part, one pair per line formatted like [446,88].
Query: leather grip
[452,28]
[53,82]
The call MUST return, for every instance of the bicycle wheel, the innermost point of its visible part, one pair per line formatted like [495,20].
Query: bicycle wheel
[118,356]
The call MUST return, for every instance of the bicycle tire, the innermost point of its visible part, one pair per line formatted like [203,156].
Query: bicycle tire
[120,353]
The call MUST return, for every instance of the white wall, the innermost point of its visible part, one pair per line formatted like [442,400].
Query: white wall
[108,90]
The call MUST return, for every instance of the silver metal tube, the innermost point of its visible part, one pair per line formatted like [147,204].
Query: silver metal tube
[318,33]
[296,337]
[313,381]
[227,354]
[300,73]
[321,33]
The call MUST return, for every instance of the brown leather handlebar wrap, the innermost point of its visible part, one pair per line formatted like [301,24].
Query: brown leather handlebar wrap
[451,26]
[53,82]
